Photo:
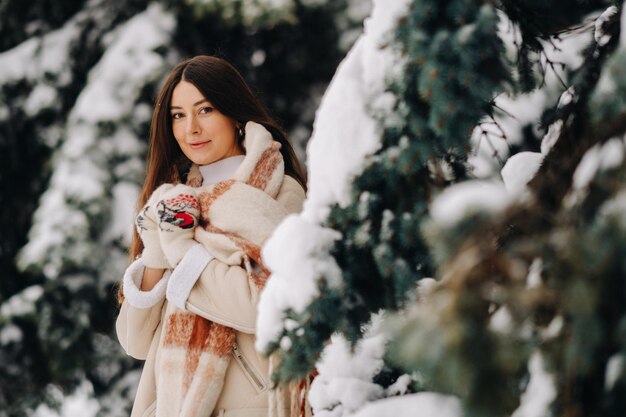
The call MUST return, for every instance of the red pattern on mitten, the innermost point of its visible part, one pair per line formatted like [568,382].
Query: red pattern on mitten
[178,212]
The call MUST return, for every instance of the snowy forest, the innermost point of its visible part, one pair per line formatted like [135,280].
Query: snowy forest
[461,251]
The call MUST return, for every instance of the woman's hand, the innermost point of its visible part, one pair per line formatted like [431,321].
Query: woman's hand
[178,212]
[146,223]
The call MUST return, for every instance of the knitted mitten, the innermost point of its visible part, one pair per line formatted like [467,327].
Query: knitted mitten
[178,213]
[146,224]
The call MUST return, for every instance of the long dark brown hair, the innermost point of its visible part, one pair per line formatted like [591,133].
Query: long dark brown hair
[221,84]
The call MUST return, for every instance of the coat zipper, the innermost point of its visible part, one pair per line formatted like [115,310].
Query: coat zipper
[247,368]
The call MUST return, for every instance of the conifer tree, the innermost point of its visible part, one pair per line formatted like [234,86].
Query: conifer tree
[440,96]
[528,284]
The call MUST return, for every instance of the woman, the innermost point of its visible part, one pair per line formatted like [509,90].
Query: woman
[220,176]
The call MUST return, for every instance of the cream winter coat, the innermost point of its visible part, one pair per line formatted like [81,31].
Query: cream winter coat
[222,294]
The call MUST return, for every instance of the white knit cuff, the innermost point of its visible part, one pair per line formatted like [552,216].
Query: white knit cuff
[132,285]
[186,274]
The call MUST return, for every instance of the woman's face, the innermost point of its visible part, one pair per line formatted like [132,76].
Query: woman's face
[203,133]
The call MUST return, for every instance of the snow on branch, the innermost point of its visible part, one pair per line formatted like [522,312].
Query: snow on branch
[77,204]
[344,134]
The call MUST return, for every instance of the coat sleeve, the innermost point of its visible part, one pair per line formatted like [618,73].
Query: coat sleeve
[140,313]
[223,293]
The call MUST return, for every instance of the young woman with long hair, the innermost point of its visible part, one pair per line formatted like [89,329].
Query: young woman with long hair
[221,175]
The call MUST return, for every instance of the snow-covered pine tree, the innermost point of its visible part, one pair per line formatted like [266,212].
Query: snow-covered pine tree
[43,336]
[527,318]
[437,97]
[77,82]
[532,296]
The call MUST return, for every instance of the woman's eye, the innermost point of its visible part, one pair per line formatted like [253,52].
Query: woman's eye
[177,116]
[205,110]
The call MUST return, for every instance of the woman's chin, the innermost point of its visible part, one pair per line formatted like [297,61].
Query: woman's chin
[202,161]
[201,158]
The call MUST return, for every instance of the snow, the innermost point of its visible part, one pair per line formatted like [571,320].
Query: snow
[22,303]
[123,212]
[426,286]
[54,221]
[601,37]
[344,140]
[519,170]
[510,34]
[80,403]
[553,329]
[344,383]
[297,254]
[567,51]
[344,133]
[386,232]
[423,404]
[10,333]
[501,321]
[124,141]
[540,392]
[43,96]
[258,57]
[551,137]
[526,108]
[600,157]
[44,64]
[533,280]
[38,56]
[567,97]
[400,387]
[115,82]
[83,179]
[614,371]
[466,198]
[465,33]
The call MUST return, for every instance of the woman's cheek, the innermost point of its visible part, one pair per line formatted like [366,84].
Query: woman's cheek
[178,133]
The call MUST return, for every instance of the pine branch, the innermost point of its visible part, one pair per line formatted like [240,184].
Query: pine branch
[486,267]
[554,177]
[539,22]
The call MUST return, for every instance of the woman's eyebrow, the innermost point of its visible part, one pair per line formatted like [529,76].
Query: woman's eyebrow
[194,104]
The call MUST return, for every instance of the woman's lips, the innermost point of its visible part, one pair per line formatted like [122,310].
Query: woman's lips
[198,145]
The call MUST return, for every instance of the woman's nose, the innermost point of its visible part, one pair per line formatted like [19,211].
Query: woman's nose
[192,125]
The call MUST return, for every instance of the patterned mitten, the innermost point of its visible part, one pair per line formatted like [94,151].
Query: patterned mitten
[178,213]
[147,227]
